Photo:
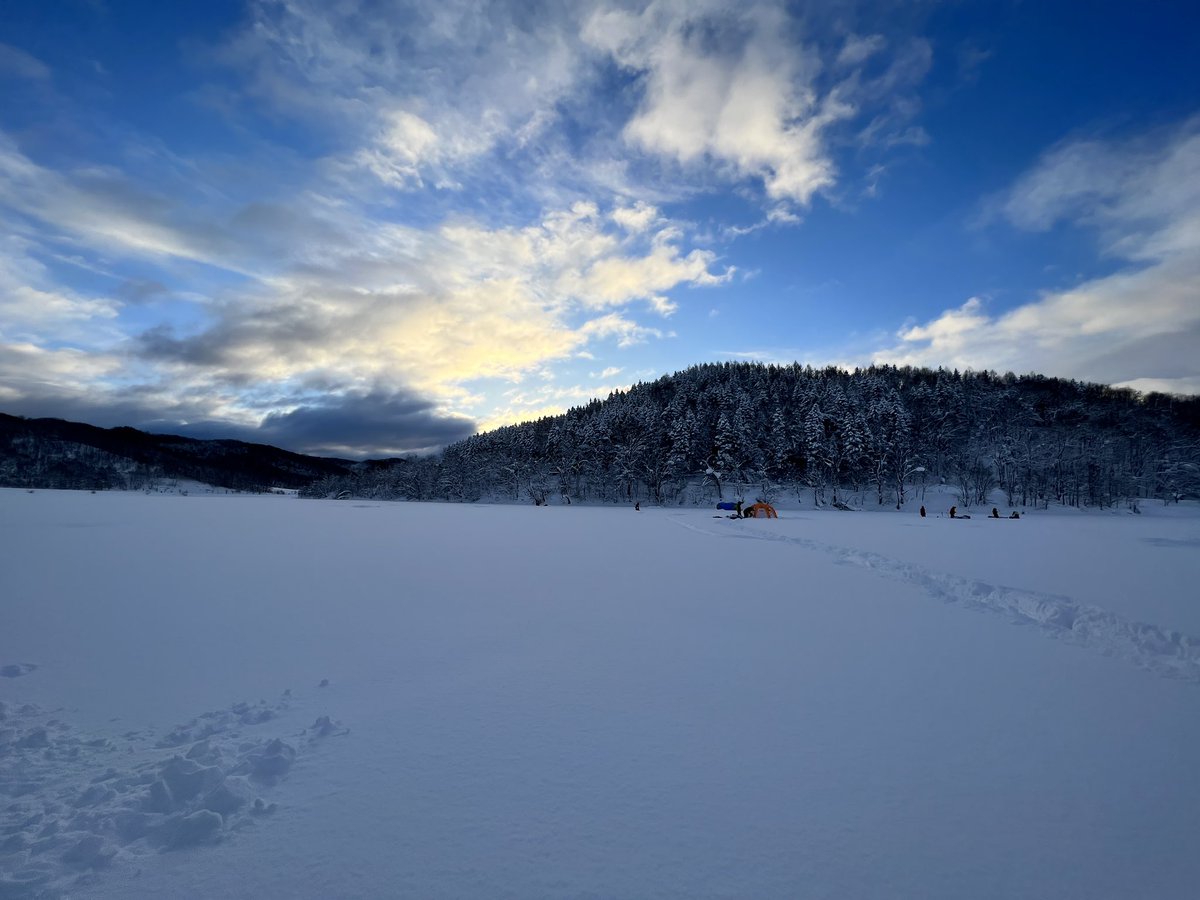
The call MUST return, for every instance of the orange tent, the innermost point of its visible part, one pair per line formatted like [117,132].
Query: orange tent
[766,510]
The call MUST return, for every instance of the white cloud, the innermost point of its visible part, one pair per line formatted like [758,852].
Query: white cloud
[406,144]
[616,280]
[1142,196]
[22,362]
[32,305]
[637,218]
[778,215]
[1139,326]
[626,331]
[398,306]
[727,86]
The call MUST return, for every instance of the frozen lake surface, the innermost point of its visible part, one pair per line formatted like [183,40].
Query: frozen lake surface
[262,696]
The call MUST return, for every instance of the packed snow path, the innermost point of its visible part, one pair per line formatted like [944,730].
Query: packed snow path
[489,701]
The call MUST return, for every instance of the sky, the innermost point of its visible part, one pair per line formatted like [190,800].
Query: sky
[369,228]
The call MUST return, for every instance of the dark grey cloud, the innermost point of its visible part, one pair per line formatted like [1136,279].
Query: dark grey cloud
[280,330]
[160,343]
[375,424]
[356,426]
[362,426]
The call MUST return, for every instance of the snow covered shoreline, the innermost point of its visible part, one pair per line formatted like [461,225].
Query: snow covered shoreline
[575,701]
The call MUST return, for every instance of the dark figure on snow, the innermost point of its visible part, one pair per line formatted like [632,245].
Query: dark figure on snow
[638,506]
[738,510]
[995,513]
[922,512]
[1015,515]
[953,512]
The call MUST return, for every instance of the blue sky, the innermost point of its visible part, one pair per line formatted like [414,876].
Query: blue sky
[372,227]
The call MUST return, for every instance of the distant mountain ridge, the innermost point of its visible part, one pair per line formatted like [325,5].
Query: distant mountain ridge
[55,453]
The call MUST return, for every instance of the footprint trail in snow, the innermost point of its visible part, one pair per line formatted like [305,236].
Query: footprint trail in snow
[1171,654]
[73,805]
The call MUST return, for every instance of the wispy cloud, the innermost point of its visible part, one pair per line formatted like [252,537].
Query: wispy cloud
[426,90]
[104,209]
[16,62]
[859,48]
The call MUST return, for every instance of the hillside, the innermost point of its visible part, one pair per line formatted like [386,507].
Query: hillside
[53,453]
[866,437]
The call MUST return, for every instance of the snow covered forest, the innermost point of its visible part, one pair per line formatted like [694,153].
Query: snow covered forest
[865,437]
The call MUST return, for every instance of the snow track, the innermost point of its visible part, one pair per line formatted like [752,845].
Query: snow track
[1171,654]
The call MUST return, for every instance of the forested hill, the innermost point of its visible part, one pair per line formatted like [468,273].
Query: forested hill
[830,435]
[53,453]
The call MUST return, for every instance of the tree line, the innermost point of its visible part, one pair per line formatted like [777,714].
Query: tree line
[868,436]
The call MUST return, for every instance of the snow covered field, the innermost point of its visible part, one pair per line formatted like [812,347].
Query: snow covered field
[234,696]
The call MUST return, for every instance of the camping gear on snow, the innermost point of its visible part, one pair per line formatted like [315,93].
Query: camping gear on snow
[766,510]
